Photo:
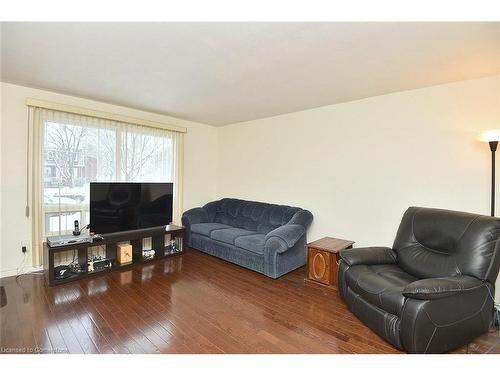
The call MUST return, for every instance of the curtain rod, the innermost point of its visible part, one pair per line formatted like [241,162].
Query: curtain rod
[101,114]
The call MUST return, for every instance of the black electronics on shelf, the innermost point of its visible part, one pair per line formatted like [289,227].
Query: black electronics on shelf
[79,267]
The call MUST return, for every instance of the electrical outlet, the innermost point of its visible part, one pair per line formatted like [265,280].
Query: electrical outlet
[25,246]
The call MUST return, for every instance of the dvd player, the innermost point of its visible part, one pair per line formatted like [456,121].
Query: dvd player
[58,241]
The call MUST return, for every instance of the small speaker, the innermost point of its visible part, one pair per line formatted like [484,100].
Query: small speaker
[62,272]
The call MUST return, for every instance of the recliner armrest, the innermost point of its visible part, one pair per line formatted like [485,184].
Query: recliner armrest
[194,216]
[368,256]
[284,237]
[437,288]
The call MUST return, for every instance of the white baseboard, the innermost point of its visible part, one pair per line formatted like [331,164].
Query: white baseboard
[13,272]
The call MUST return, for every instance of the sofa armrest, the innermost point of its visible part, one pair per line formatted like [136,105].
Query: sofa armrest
[368,255]
[194,216]
[437,288]
[284,237]
[302,217]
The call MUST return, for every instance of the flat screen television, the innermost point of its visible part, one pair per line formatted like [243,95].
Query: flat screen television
[120,206]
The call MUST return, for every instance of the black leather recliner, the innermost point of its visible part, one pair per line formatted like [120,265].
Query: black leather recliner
[433,291]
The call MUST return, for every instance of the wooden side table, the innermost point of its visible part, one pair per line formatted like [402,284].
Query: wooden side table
[322,261]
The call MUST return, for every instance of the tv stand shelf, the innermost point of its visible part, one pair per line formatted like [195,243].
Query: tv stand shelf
[108,245]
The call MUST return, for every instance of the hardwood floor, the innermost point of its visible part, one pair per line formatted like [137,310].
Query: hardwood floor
[193,303]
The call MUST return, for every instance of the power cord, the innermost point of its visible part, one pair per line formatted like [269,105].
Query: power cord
[495,309]
[21,266]
[19,270]
[26,293]
[496,320]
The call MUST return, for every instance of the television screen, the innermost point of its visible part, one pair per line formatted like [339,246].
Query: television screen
[119,206]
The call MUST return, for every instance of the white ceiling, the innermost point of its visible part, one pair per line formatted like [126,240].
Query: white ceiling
[221,73]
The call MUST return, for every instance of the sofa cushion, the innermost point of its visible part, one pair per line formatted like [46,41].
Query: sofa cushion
[228,235]
[254,242]
[207,228]
[381,285]
[229,252]
[254,216]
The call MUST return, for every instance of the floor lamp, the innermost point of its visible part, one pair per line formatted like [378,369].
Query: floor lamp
[492,137]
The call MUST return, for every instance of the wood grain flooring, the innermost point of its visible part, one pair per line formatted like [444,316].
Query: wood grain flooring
[193,303]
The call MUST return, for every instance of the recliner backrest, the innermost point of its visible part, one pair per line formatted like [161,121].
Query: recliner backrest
[439,243]
[255,216]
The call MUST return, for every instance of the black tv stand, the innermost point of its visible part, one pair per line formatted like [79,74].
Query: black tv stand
[109,243]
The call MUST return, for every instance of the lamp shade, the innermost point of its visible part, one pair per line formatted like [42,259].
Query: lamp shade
[492,135]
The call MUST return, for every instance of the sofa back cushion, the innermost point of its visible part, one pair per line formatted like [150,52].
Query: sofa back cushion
[254,216]
[439,243]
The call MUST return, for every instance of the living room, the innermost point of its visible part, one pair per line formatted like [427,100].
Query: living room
[250,187]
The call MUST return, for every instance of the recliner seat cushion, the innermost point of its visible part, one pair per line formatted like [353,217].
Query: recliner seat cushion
[254,243]
[207,228]
[385,324]
[229,235]
[381,285]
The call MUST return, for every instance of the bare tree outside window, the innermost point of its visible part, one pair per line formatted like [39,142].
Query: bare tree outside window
[75,155]
[65,144]
[138,152]
[103,150]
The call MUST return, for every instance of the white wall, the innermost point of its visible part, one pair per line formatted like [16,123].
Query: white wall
[1,131]
[199,163]
[357,166]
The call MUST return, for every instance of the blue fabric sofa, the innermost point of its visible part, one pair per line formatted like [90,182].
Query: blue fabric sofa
[267,238]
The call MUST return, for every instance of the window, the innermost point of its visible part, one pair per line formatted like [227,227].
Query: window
[71,147]
[78,150]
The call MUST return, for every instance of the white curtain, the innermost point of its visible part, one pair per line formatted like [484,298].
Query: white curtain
[68,151]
